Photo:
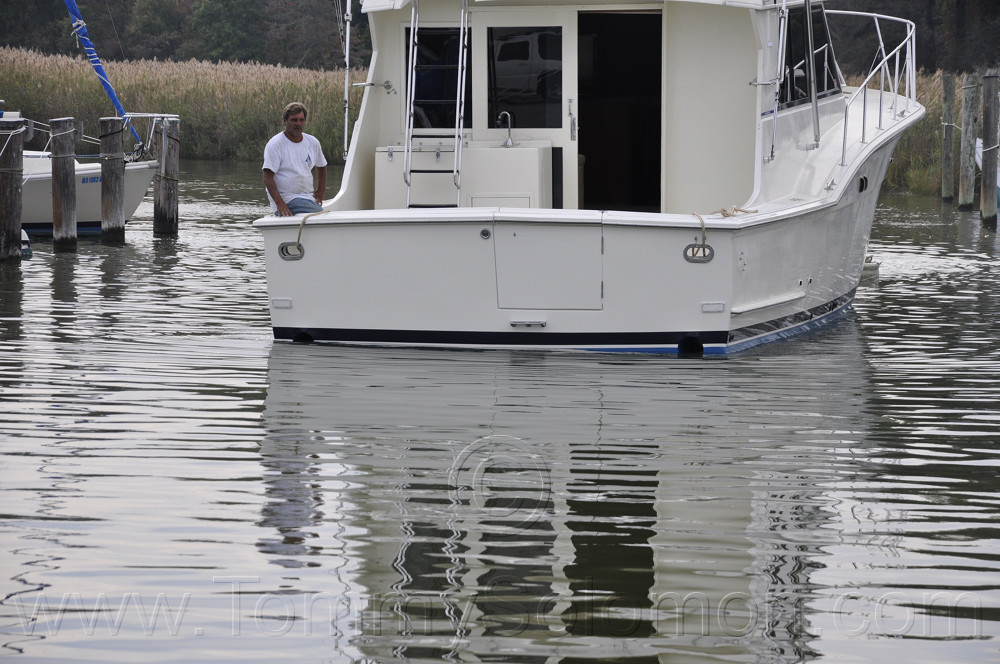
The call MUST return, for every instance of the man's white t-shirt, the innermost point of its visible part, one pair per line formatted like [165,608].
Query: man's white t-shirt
[292,165]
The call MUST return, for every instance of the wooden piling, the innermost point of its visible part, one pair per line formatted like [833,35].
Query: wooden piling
[11,177]
[112,181]
[970,129]
[991,133]
[165,196]
[63,184]
[948,137]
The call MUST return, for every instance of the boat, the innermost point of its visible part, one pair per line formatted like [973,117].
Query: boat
[36,196]
[979,162]
[680,176]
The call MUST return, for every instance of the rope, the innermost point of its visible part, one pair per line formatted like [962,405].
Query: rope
[62,133]
[10,134]
[704,242]
[725,212]
[298,240]
[733,211]
[115,28]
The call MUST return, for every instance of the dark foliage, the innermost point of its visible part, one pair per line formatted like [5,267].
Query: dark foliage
[293,33]
[953,35]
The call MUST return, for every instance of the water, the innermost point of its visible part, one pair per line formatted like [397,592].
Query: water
[176,487]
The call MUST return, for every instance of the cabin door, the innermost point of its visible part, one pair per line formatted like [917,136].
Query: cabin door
[524,88]
[619,138]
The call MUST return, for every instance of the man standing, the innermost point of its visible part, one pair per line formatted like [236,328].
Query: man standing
[289,158]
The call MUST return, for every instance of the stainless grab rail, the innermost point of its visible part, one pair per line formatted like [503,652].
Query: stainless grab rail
[907,76]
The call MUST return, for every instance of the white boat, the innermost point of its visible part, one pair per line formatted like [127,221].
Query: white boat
[36,196]
[673,176]
[979,162]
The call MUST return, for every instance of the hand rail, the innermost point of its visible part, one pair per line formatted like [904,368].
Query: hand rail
[908,75]
[463,35]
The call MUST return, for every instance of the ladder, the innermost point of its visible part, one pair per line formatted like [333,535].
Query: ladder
[411,101]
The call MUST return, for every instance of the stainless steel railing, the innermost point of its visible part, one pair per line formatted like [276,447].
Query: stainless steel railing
[895,69]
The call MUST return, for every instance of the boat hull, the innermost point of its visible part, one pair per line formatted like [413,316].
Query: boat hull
[569,279]
[36,205]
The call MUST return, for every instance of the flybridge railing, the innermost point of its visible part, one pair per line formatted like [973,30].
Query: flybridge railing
[894,68]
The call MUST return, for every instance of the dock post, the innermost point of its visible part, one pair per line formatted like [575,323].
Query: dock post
[988,187]
[11,178]
[112,181]
[63,184]
[948,137]
[165,197]
[970,129]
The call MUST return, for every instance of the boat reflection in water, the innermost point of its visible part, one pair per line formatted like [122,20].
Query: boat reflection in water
[564,506]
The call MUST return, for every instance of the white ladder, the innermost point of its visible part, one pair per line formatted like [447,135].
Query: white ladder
[460,70]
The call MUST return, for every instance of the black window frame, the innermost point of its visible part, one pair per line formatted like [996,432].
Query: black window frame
[796,45]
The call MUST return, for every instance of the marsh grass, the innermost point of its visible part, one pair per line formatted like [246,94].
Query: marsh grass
[228,111]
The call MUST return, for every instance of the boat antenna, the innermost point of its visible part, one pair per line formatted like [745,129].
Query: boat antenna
[83,38]
[344,23]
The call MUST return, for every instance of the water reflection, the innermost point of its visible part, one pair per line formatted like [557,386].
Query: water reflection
[551,503]
[831,497]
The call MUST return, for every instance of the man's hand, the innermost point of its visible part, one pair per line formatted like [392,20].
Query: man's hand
[272,189]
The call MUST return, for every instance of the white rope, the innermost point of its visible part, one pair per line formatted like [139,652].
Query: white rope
[704,251]
[298,240]
[11,134]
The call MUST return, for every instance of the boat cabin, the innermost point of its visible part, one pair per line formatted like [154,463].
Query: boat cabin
[644,106]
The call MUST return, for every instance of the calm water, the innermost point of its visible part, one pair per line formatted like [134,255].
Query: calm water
[175,487]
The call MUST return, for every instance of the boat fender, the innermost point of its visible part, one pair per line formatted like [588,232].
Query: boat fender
[25,245]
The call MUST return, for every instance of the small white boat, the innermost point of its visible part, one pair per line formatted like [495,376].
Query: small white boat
[685,176]
[36,197]
[979,162]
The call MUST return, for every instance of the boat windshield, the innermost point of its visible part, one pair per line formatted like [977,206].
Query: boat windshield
[795,87]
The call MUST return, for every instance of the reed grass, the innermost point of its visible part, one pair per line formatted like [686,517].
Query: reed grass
[229,110]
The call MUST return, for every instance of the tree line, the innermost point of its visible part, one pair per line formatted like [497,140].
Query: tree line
[291,33]
[954,35]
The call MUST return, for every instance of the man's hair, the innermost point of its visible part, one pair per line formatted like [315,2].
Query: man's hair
[292,109]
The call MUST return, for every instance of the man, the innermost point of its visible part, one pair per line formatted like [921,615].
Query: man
[289,158]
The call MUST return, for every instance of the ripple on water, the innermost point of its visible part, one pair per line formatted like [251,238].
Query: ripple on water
[833,496]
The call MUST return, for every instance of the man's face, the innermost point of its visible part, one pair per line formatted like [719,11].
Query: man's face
[294,125]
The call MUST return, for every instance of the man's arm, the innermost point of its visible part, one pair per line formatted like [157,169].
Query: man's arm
[320,184]
[272,189]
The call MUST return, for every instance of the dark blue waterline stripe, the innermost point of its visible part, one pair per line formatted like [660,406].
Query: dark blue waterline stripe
[714,342]
[44,229]
[619,340]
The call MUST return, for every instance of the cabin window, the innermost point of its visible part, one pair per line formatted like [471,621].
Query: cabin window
[436,79]
[795,87]
[525,75]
